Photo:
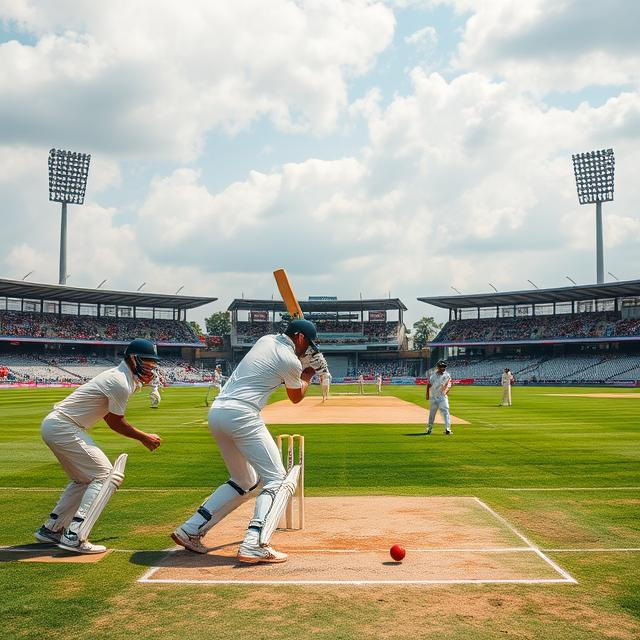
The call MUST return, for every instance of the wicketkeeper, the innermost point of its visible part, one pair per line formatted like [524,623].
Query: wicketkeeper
[65,431]
[438,387]
[253,460]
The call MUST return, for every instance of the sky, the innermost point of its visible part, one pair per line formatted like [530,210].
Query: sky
[396,148]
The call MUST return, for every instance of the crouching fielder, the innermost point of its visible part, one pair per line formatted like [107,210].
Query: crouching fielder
[93,479]
[249,451]
[438,387]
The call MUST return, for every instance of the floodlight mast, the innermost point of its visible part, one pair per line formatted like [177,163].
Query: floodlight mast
[68,171]
[594,173]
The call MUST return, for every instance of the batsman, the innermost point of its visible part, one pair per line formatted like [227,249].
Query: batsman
[93,478]
[252,458]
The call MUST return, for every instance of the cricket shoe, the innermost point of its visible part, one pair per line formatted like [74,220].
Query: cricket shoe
[448,432]
[69,541]
[188,541]
[47,535]
[429,431]
[253,553]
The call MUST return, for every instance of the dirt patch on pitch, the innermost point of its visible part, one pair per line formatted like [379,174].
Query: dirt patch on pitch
[347,540]
[594,395]
[349,410]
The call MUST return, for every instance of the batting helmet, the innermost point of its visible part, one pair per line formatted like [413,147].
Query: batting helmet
[441,364]
[141,349]
[306,328]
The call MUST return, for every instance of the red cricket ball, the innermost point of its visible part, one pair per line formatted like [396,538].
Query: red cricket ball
[397,552]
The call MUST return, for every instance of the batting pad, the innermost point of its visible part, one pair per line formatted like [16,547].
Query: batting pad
[279,504]
[104,495]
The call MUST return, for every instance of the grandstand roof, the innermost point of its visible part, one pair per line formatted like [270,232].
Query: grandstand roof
[64,293]
[629,288]
[380,304]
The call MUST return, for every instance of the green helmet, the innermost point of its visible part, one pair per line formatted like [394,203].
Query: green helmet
[141,349]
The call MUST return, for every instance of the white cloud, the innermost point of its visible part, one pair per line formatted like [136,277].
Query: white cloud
[150,79]
[424,39]
[544,45]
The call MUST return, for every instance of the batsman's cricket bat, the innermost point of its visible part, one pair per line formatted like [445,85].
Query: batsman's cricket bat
[286,291]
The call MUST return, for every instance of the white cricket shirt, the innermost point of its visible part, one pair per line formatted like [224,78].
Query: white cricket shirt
[506,379]
[439,383]
[271,362]
[108,392]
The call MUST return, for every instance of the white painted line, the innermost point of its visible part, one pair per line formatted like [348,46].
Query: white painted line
[409,549]
[568,488]
[146,580]
[548,560]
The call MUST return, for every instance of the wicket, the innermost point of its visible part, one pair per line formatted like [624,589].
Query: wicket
[290,461]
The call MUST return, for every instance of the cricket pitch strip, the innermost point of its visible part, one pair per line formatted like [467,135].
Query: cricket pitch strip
[349,410]
[346,541]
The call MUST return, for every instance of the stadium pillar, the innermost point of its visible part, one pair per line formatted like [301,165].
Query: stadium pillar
[599,245]
[62,274]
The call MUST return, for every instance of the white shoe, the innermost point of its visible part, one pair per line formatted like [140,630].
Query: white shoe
[188,541]
[70,542]
[253,553]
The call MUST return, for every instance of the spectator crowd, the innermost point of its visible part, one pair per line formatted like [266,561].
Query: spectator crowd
[104,329]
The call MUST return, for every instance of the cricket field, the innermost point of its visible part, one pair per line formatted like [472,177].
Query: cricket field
[560,467]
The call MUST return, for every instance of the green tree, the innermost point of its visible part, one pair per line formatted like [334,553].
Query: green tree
[426,329]
[218,324]
[196,327]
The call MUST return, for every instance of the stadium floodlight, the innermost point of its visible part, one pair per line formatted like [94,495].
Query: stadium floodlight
[180,288]
[26,275]
[493,287]
[614,277]
[571,280]
[594,172]
[456,290]
[140,287]
[68,171]
[102,283]
[533,283]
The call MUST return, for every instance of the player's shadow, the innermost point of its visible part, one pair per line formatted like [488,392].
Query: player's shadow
[30,551]
[422,433]
[183,559]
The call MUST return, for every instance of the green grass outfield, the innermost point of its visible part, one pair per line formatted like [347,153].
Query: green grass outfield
[564,471]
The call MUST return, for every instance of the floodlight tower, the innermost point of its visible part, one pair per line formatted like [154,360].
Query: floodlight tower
[594,180]
[68,171]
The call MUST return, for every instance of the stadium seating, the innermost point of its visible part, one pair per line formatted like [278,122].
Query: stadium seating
[583,325]
[71,327]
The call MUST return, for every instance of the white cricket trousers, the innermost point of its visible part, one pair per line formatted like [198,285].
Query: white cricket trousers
[506,395]
[251,456]
[443,405]
[325,391]
[82,460]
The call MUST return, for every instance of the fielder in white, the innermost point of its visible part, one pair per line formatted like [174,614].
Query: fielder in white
[438,387]
[361,384]
[379,383]
[216,383]
[154,395]
[325,384]
[93,479]
[249,451]
[506,381]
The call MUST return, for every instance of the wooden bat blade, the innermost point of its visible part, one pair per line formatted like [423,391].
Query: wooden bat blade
[286,291]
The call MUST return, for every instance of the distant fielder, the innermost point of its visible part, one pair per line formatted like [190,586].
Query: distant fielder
[325,384]
[93,479]
[248,449]
[379,384]
[506,381]
[154,395]
[361,384]
[216,383]
[438,387]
